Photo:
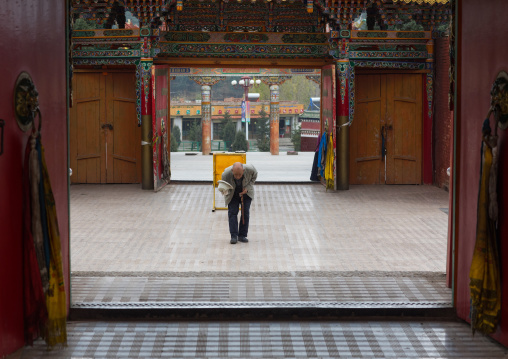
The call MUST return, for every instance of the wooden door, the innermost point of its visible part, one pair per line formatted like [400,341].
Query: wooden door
[88,113]
[386,134]
[104,134]
[404,129]
[124,140]
[366,161]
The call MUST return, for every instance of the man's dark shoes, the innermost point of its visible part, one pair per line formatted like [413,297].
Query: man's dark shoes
[234,239]
[242,239]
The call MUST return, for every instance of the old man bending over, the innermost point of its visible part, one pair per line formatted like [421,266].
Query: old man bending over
[241,177]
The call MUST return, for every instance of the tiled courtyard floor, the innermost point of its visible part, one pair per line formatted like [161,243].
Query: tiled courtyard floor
[293,228]
[368,244]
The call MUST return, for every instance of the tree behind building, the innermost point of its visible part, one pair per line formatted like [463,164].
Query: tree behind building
[296,138]
[228,130]
[175,130]
[263,132]
[195,133]
[240,143]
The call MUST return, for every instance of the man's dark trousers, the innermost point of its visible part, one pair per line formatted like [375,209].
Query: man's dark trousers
[233,207]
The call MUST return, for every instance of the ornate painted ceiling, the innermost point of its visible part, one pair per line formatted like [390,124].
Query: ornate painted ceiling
[309,16]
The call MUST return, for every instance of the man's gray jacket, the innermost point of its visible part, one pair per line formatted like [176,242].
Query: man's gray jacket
[249,178]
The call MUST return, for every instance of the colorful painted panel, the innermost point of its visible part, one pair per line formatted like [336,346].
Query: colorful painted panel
[194,71]
[242,50]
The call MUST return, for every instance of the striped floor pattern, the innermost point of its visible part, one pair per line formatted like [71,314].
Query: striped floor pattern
[131,289]
[349,339]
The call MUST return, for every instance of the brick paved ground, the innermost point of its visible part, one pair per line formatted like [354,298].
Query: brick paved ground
[294,228]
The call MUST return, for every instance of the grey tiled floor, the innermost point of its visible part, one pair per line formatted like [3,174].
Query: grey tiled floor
[298,227]
[347,339]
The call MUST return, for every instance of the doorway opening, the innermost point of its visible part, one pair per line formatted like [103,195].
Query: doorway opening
[369,244]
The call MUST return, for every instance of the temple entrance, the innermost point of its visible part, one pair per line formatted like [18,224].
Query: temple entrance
[386,134]
[306,237]
[103,129]
[185,246]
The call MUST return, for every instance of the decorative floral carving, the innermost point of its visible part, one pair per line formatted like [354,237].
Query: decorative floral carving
[118,32]
[304,38]
[372,34]
[82,33]
[187,36]
[411,34]
[245,37]
[243,51]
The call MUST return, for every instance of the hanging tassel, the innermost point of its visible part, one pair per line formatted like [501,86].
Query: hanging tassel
[37,234]
[34,304]
[179,5]
[310,6]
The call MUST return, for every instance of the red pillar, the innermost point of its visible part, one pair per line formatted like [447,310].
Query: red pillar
[341,127]
[145,83]
[428,117]
[206,120]
[274,119]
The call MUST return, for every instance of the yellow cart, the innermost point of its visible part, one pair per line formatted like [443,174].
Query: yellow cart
[221,161]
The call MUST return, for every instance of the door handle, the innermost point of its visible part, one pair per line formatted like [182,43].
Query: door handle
[383,142]
[384,137]
[109,126]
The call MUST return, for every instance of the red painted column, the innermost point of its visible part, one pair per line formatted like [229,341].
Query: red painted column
[274,119]
[206,120]
[428,116]
[342,126]
[145,82]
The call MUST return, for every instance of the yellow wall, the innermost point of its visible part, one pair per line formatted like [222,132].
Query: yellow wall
[194,110]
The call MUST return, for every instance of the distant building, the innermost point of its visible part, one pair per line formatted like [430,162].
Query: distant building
[185,113]
[310,124]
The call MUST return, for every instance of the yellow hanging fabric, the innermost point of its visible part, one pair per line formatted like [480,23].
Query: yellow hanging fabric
[484,273]
[329,177]
[56,329]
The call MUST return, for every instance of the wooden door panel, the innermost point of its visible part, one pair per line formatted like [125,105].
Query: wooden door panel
[124,151]
[86,149]
[88,154]
[404,144]
[126,138]
[367,144]
[404,116]
[365,136]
